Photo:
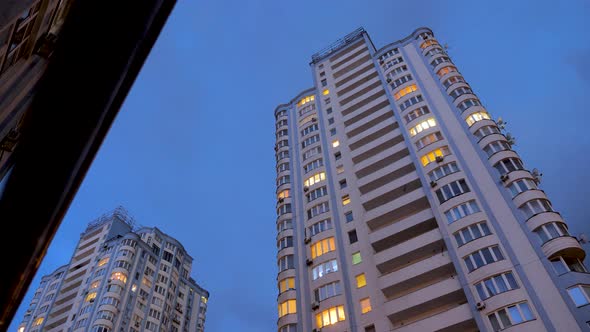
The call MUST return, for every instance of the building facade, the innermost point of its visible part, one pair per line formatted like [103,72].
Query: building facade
[402,206]
[28,32]
[120,279]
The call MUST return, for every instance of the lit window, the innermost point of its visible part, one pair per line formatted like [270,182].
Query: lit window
[306,100]
[38,321]
[204,299]
[346,200]
[366,305]
[283,194]
[315,179]
[94,285]
[90,297]
[356,258]
[443,71]
[580,294]
[361,281]
[330,316]
[428,42]
[323,246]
[103,261]
[324,268]
[339,169]
[429,123]
[475,117]
[405,91]
[119,276]
[326,92]
[335,143]
[133,287]
[287,307]
[286,284]
[435,155]
[21,329]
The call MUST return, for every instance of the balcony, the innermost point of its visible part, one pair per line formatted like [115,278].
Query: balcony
[410,252]
[455,319]
[402,231]
[401,208]
[426,302]
[417,276]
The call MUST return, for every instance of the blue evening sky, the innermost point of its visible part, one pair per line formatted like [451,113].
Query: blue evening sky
[191,151]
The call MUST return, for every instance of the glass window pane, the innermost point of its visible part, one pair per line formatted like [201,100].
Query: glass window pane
[577,295]
[559,266]
[504,318]
[458,239]
[476,231]
[511,281]
[478,260]
[467,235]
[480,291]
[487,255]
[485,228]
[468,263]
[526,311]
[490,287]
[498,253]
[515,315]
[501,284]
[552,230]
[494,321]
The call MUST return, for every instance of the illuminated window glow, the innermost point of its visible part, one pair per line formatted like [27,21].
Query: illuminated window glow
[318,177]
[38,321]
[323,246]
[443,71]
[119,276]
[286,284]
[306,100]
[287,307]
[366,305]
[428,123]
[478,116]
[330,316]
[405,91]
[356,258]
[90,297]
[283,194]
[428,43]
[361,281]
[335,143]
[103,261]
[431,156]
[21,329]
[326,92]
[346,200]
[94,285]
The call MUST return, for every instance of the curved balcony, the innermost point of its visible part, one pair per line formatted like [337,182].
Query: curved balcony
[563,246]
[449,74]
[104,322]
[457,200]
[500,155]
[528,195]
[542,218]
[484,141]
[482,123]
[290,294]
[288,319]
[440,65]
[503,299]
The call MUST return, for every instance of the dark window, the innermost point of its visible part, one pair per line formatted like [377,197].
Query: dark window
[331,121]
[337,155]
[167,256]
[352,236]
[329,110]
[343,184]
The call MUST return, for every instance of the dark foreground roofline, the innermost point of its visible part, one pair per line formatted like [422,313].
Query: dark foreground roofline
[98,55]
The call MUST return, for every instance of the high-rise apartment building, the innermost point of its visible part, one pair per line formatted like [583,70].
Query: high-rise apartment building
[120,278]
[403,207]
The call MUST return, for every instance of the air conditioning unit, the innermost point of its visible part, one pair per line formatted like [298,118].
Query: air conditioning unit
[309,261]
[314,119]
[305,188]
[480,305]
[307,240]
[388,80]
[439,159]
[433,184]
[315,305]
[504,177]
